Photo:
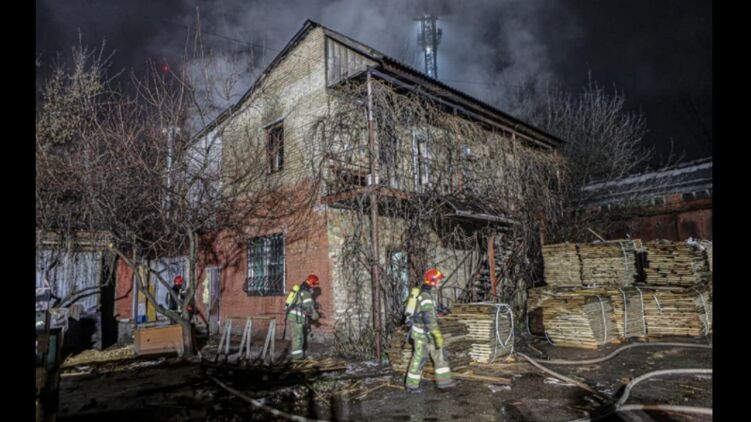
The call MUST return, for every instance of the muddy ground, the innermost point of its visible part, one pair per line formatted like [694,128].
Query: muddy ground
[169,389]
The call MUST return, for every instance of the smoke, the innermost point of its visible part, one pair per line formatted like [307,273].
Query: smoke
[488,48]
[487,45]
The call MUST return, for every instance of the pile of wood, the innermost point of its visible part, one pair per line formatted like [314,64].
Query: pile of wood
[611,263]
[573,317]
[626,304]
[579,318]
[455,342]
[676,264]
[704,301]
[325,364]
[673,312]
[628,309]
[562,264]
[535,318]
[707,245]
[488,328]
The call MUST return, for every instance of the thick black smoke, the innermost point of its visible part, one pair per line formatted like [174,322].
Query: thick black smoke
[657,52]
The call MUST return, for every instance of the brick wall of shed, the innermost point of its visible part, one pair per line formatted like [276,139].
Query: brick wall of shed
[675,220]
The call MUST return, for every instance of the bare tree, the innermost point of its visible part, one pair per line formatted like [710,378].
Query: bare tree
[447,187]
[140,165]
[603,142]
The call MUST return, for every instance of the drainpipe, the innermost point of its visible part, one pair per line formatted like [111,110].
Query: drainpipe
[375,284]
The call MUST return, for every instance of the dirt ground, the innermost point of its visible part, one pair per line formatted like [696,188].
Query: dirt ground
[169,389]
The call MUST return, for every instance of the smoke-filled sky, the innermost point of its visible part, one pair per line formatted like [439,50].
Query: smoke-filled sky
[657,52]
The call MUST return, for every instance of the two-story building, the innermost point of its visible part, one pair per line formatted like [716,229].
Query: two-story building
[405,172]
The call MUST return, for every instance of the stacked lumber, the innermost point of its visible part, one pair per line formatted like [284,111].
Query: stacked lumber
[535,320]
[707,245]
[579,319]
[488,329]
[611,263]
[400,351]
[704,302]
[562,264]
[676,264]
[455,342]
[628,309]
[573,317]
[673,312]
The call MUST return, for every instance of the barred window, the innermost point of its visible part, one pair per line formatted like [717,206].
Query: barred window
[265,266]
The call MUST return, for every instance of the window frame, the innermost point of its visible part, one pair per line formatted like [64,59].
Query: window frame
[275,146]
[271,280]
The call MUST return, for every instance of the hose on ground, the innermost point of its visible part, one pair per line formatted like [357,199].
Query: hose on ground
[621,349]
[260,405]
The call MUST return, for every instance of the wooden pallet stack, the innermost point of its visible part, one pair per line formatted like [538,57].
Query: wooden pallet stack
[562,264]
[673,312]
[611,263]
[579,318]
[488,328]
[676,264]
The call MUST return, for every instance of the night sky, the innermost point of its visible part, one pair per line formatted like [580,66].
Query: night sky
[657,52]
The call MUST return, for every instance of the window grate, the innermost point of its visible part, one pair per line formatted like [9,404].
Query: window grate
[265,266]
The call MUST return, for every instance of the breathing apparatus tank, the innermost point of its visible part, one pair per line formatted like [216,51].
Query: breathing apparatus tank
[412,302]
[291,296]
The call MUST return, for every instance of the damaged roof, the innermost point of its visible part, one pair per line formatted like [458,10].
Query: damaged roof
[404,73]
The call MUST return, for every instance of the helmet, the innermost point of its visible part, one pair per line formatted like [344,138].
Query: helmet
[178,280]
[432,277]
[312,280]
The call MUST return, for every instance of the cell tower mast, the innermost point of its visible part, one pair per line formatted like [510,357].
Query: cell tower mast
[429,38]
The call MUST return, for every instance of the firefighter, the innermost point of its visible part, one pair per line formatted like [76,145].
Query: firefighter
[300,308]
[177,288]
[427,337]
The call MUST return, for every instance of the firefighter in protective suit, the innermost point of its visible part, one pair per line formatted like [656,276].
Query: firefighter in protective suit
[300,307]
[427,337]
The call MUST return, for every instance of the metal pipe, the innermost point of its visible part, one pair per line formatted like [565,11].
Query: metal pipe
[375,284]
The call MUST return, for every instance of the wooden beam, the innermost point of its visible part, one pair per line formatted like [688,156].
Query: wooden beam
[491,265]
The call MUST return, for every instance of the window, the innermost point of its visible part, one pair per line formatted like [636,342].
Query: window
[421,158]
[265,266]
[398,274]
[275,146]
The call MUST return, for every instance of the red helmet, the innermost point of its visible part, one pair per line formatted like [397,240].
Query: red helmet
[432,277]
[312,280]
[178,280]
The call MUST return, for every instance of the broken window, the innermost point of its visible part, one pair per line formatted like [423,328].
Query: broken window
[275,146]
[265,265]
